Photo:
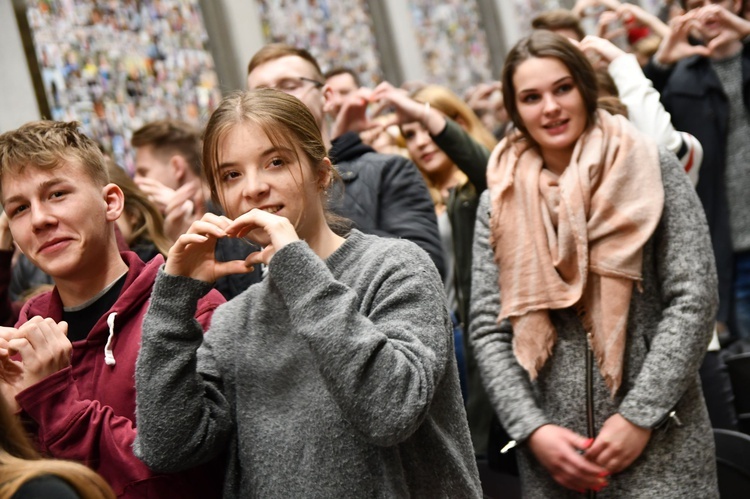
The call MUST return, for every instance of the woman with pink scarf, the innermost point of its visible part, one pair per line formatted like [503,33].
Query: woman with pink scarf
[593,292]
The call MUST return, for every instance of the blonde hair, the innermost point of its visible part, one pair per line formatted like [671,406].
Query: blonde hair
[455,108]
[286,122]
[47,145]
[149,222]
[19,463]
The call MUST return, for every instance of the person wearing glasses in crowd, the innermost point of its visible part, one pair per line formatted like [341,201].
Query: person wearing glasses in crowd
[383,194]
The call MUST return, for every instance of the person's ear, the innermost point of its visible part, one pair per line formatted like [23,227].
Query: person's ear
[325,175]
[178,164]
[115,201]
[327,92]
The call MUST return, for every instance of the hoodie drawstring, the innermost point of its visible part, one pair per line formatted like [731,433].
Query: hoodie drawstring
[109,357]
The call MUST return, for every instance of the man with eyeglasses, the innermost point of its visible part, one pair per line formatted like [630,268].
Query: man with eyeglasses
[383,194]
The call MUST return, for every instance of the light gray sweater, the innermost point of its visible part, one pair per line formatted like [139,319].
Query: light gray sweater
[669,326]
[327,379]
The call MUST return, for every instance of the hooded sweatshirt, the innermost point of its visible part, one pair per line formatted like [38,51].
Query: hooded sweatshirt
[86,412]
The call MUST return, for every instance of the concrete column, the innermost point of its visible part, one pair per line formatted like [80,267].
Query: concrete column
[18,102]
[401,57]
[235,34]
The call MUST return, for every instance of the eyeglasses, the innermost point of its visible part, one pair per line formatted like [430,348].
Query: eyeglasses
[295,86]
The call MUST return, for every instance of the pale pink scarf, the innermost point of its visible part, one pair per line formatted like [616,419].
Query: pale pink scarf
[574,240]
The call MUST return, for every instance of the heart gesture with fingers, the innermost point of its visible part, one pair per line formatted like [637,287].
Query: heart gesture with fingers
[273,192]
[43,348]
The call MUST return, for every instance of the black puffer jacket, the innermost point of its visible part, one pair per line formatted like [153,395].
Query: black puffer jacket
[385,195]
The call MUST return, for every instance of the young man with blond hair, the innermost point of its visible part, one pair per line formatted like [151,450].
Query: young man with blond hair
[69,363]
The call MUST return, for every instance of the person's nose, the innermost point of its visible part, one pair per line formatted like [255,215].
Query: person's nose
[42,216]
[255,185]
[551,106]
[422,138]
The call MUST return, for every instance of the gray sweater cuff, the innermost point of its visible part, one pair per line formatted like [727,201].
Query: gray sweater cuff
[177,295]
[295,269]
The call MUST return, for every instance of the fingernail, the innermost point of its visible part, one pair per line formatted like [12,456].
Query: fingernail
[588,443]
[604,474]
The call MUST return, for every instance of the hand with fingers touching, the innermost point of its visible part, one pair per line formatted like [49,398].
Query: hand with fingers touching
[11,371]
[609,26]
[193,254]
[676,45]
[43,347]
[407,109]
[559,451]
[618,444]
[733,27]
[601,48]
[181,211]
[352,116]
[629,12]
[279,230]
[158,193]
[582,6]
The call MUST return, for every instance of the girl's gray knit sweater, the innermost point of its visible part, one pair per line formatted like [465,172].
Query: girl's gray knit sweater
[327,379]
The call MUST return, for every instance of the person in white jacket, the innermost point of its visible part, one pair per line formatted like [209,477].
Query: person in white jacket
[645,110]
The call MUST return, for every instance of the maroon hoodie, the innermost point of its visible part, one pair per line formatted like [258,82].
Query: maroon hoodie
[86,412]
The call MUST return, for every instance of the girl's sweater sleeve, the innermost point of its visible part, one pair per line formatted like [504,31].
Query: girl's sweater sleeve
[183,417]
[507,384]
[688,286]
[382,349]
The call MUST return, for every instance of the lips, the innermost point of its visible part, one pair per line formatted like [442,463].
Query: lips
[428,156]
[272,209]
[53,244]
[557,126]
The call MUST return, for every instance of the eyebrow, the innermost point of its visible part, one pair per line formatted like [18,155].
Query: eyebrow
[44,186]
[560,80]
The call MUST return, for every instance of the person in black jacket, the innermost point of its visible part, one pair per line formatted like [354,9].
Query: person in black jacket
[698,82]
[383,194]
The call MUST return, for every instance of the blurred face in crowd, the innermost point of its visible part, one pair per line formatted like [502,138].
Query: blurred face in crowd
[551,108]
[292,75]
[338,87]
[710,27]
[155,166]
[428,157]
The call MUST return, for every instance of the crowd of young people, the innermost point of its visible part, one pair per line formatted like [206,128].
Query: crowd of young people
[271,308]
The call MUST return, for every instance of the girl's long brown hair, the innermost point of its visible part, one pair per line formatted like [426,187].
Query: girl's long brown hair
[19,463]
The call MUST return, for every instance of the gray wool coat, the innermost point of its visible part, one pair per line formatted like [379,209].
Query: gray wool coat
[669,328]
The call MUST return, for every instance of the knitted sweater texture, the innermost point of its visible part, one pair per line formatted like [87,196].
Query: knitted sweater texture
[332,378]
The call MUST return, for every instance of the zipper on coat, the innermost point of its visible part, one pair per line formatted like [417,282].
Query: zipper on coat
[590,397]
